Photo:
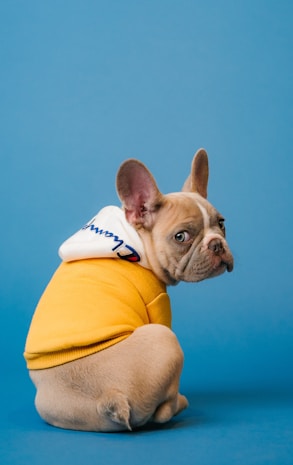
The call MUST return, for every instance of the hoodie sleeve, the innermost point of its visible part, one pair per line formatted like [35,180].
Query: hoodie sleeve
[159,310]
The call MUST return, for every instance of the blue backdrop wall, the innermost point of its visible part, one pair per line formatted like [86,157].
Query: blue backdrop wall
[85,85]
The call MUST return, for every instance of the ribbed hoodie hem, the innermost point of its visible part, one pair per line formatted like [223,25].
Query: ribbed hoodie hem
[41,361]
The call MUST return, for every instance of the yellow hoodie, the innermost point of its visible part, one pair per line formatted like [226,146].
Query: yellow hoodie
[91,304]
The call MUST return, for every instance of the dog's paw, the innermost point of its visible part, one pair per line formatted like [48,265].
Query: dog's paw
[170,408]
[115,406]
[182,403]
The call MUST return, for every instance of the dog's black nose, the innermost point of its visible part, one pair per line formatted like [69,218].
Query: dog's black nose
[216,246]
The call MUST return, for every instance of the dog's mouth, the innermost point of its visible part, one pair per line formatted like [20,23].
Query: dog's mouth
[222,266]
[227,264]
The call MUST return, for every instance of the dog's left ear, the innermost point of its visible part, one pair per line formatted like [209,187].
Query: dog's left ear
[197,181]
[139,193]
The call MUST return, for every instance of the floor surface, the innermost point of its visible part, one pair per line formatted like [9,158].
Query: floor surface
[217,429]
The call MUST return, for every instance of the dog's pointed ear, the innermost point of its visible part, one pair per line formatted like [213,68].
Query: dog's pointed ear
[138,191]
[197,181]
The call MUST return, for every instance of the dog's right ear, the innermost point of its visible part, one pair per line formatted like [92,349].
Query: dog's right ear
[138,191]
[197,181]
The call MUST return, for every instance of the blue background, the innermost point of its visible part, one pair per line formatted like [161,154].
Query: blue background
[85,85]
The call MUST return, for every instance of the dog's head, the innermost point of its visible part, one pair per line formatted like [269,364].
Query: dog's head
[183,234]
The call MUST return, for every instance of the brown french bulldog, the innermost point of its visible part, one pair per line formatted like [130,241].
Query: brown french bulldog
[100,349]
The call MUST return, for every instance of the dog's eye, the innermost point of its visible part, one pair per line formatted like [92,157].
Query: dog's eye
[182,236]
[221,224]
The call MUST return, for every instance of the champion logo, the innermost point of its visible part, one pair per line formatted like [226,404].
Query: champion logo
[123,250]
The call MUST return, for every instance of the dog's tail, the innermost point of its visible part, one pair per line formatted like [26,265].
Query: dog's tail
[113,406]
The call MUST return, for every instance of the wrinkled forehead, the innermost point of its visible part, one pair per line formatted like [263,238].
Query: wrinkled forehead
[192,205]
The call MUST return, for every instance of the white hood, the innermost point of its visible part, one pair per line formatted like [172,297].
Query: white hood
[108,234]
